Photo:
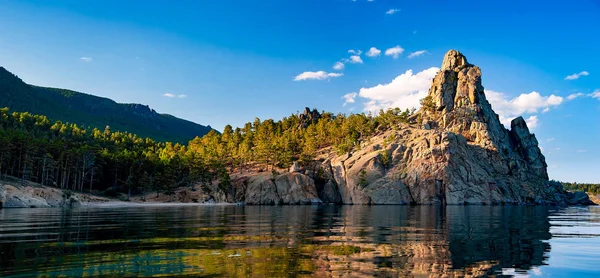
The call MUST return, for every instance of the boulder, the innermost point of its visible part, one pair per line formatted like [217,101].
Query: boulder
[24,201]
[38,196]
[285,189]
[296,189]
[261,190]
[580,198]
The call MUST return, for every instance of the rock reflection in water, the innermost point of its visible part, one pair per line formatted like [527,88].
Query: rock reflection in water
[274,241]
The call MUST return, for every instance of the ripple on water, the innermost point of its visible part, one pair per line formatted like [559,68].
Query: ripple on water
[299,241]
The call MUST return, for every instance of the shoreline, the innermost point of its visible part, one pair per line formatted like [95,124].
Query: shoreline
[37,196]
[124,204]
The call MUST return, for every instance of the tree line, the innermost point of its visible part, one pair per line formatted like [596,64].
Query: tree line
[587,187]
[68,156]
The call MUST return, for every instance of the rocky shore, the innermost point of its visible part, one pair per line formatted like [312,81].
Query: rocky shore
[36,196]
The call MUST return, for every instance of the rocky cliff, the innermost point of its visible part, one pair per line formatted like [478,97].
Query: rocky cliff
[456,151]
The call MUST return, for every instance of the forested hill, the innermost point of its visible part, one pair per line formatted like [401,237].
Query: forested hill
[96,112]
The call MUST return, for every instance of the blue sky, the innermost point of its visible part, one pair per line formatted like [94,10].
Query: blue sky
[236,60]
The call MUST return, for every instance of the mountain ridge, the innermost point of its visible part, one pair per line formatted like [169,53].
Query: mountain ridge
[94,111]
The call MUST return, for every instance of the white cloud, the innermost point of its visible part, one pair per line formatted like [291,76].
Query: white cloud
[404,91]
[417,54]
[550,139]
[576,75]
[581,151]
[338,66]
[392,11]
[317,75]
[349,98]
[355,59]
[86,59]
[373,52]
[356,52]
[532,121]
[169,95]
[595,94]
[395,51]
[574,96]
[530,103]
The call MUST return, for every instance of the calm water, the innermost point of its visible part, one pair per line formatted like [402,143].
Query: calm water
[301,241]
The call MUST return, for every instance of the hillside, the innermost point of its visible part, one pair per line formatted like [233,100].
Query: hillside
[96,112]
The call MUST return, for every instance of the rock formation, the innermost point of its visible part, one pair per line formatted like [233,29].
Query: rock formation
[309,117]
[37,196]
[456,152]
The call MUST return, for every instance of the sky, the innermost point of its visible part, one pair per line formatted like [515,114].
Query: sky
[227,62]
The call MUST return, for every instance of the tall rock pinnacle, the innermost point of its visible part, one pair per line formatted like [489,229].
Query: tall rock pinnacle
[461,154]
[460,106]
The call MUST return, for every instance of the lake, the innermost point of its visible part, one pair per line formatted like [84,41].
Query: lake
[301,241]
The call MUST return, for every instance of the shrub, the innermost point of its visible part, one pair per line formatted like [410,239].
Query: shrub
[362,179]
[427,103]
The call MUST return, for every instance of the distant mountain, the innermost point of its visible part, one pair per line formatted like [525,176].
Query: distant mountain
[88,110]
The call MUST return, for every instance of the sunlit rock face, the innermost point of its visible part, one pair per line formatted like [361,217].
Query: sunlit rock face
[455,151]
[28,196]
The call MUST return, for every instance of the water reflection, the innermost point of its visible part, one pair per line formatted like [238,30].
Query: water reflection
[275,241]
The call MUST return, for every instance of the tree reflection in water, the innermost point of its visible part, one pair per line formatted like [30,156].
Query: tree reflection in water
[274,241]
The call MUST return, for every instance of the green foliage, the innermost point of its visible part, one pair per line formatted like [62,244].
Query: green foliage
[427,103]
[587,187]
[386,158]
[79,159]
[67,194]
[70,156]
[362,179]
[224,179]
[95,112]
